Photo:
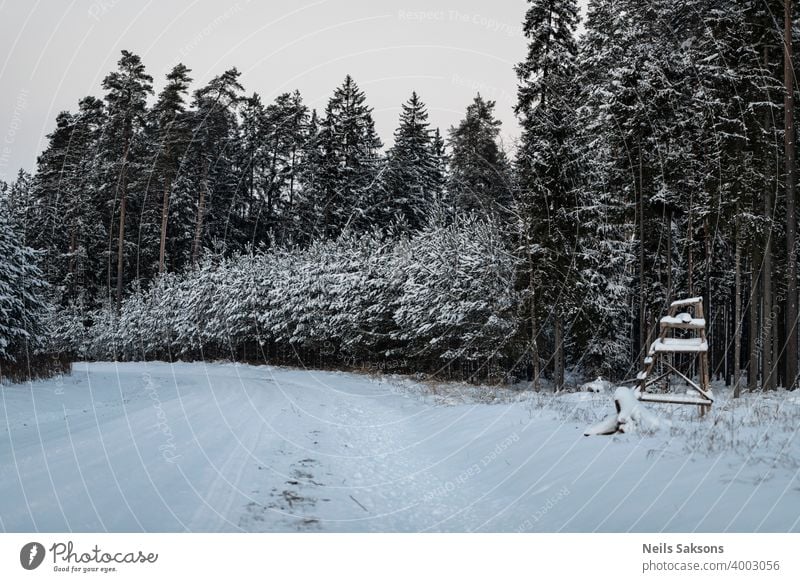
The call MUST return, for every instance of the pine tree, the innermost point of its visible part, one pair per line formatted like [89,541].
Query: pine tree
[172,139]
[126,102]
[218,210]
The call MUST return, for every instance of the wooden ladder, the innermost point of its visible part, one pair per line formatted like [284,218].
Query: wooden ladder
[678,318]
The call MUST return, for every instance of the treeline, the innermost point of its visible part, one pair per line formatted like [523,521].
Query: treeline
[656,160]
[408,304]
[125,191]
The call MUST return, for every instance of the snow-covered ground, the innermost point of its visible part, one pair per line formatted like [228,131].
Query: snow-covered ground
[224,447]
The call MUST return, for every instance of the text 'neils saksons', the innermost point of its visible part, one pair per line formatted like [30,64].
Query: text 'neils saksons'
[663,548]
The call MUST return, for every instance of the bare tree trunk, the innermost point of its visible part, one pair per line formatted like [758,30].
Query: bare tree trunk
[534,325]
[291,178]
[669,256]
[690,257]
[559,353]
[727,344]
[737,314]
[640,211]
[791,218]
[269,203]
[755,301]
[120,249]
[121,234]
[201,208]
[767,314]
[164,221]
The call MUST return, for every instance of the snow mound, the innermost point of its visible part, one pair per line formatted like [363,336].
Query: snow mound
[631,416]
[597,386]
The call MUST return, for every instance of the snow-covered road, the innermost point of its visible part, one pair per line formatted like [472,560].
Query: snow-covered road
[223,447]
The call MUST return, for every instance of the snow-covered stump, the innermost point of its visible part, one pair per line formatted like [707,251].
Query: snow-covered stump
[630,417]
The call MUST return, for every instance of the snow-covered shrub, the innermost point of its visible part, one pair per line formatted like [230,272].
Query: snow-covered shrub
[443,297]
[66,332]
[102,335]
[334,298]
[244,284]
[458,301]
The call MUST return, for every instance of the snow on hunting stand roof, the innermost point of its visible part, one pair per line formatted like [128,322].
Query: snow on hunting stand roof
[674,344]
[686,302]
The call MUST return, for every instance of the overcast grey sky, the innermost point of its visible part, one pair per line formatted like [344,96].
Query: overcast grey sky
[53,52]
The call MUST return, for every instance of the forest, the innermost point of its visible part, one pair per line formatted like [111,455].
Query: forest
[656,161]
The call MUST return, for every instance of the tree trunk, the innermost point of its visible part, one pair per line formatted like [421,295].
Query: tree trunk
[791,219]
[123,183]
[120,249]
[534,325]
[640,211]
[669,256]
[164,221]
[201,208]
[291,178]
[768,373]
[755,301]
[690,254]
[559,354]
[737,313]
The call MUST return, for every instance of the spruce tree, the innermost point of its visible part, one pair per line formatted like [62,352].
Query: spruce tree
[347,164]
[22,302]
[286,132]
[64,213]
[547,172]
[479,173]
[412,179]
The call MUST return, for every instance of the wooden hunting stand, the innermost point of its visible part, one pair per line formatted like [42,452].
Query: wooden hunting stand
[685,315]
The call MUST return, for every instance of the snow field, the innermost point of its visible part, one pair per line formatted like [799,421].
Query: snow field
[226,447]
